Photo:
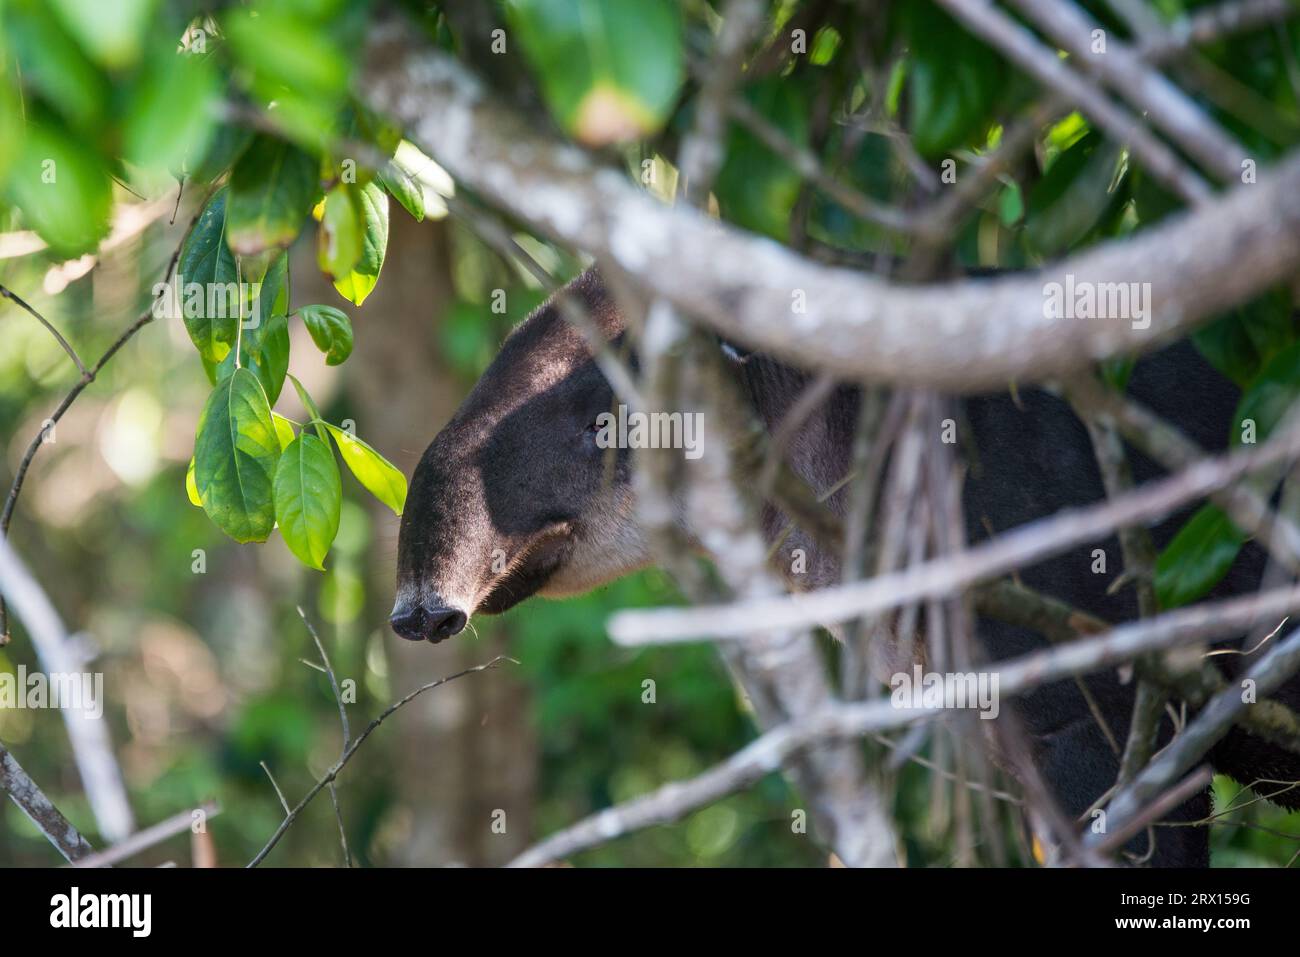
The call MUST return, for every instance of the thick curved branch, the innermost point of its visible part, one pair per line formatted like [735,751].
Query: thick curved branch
[958,336]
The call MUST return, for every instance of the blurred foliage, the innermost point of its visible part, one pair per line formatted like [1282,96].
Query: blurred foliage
[252,106]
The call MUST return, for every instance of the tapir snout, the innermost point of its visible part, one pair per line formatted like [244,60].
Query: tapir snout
[514,497]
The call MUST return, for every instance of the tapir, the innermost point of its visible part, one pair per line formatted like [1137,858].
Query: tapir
[515,498]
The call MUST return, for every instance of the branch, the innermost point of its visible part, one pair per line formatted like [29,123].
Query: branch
[67,347]
[1165,444]
[1017,676]
[338,765]
[1021,47]
[1213,23]
[149,837]
[1123,71]
[991,559]
[87,733]
[1209,726]
[1058,622]
[956,336]
[347,735]
[31,800]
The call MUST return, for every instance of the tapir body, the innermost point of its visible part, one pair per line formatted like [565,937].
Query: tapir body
[515,497]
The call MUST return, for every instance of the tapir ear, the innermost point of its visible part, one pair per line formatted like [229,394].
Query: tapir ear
[737,354]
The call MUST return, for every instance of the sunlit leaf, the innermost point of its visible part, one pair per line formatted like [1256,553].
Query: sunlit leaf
[308,499]
[272,189]
[283,429]
[338,247]
[235,454]
[192,489]
[331,330]
[379,476]
[61,188]
[610,71]
[404,189]
[358,283]
[207,277]
[109,31]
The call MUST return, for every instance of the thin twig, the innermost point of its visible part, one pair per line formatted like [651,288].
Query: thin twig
[1205,730]
[347,733]
[67,347]
[338,766]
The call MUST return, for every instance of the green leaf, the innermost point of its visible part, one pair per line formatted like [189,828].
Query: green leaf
[358,283]
[310,406]
[110,32]
[235,455]
[1072,197]
[953,81]
[228,144]
[62,189]
[756,188]
[264,350]
[272,189]
[283,430]
[293,58]
[331,330]
[1197,558]
[264,337]
[404,189]
[379,476]
[1240,343]
[171,119]
[610,72]
[338,247]
[191,489]
[1270,396]
[208,276]
[53,63]
[308,499]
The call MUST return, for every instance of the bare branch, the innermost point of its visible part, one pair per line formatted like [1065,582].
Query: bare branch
[149,837]
[991,559]
[770,751]
[1204,731]
[92,748]
[31,800]
[87,377]
[347,734]
[1124,72]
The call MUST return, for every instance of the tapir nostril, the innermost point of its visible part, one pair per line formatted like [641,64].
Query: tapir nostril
[413,625]
[445,622]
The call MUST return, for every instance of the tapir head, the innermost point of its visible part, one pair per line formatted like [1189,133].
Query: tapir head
[514,497]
